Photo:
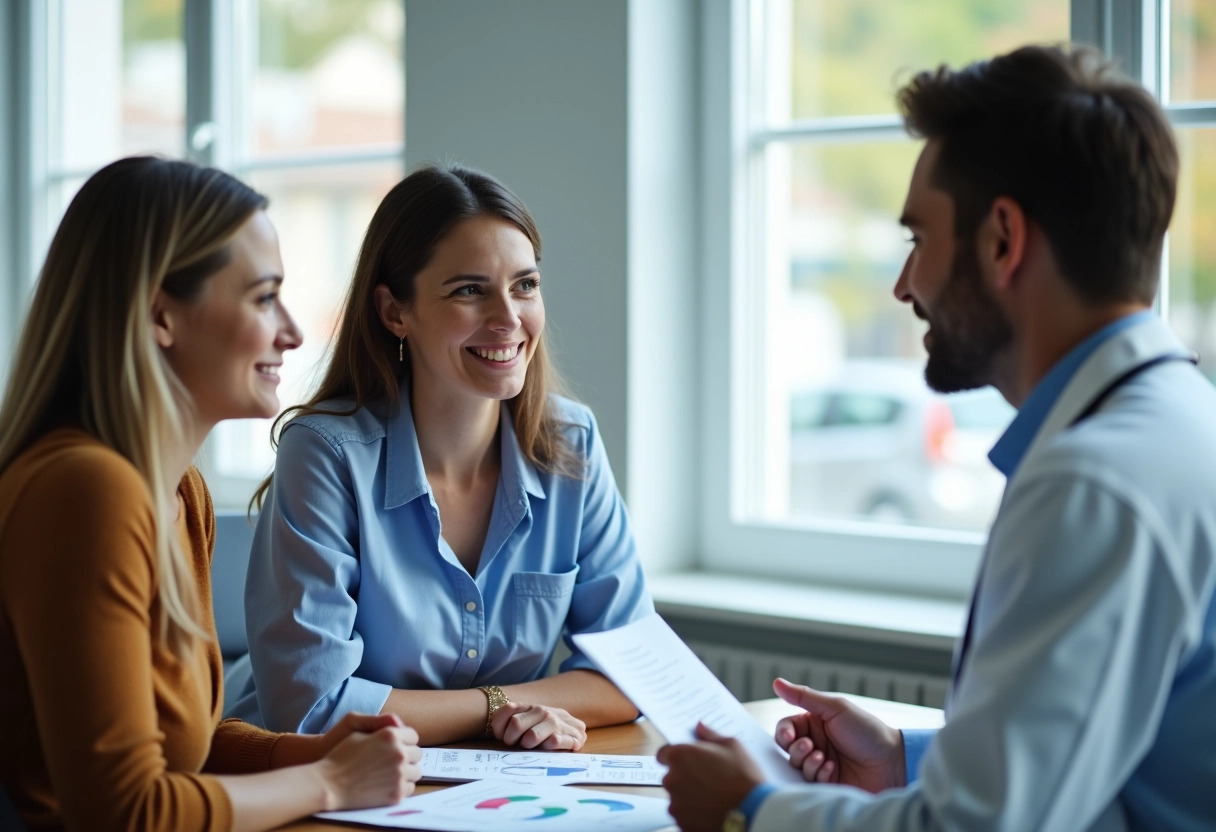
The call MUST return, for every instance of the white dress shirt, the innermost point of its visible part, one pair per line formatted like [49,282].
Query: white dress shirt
[1087,697]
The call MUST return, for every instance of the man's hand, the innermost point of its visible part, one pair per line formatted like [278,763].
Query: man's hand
[837,742]
[707,779]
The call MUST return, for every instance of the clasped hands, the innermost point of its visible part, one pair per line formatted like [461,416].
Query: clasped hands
[538,727]
[832,741]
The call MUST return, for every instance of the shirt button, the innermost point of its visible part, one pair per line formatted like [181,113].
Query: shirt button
[472,605]
[472,654]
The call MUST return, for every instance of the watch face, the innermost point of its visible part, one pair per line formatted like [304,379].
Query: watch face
[735,821]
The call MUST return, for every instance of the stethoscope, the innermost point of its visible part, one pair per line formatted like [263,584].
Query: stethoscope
[1090,409]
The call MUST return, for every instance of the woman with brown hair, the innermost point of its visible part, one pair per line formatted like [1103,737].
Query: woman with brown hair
[156,316]
[439,518]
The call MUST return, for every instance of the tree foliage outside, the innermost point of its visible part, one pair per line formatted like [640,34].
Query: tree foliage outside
[849,58]
[1192,264]
[296,34]
[292,34]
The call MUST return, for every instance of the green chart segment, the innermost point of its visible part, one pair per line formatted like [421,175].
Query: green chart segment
[553,811]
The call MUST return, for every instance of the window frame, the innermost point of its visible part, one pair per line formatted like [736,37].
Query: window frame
[879,557]
[218,36]
[218,52]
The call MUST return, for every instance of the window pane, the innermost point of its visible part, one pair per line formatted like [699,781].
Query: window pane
[1192,58]
[329,74]
[320,215]
[845,58]
[118,80]
[848,428]
[1192,247]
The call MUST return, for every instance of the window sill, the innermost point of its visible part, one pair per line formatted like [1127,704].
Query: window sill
[857,615]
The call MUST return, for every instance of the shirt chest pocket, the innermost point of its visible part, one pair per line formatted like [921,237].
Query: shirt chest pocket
[542,601]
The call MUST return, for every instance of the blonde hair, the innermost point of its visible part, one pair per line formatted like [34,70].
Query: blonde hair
[87,356]
[364,368]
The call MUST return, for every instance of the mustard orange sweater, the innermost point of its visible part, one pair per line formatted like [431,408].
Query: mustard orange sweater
[100,726]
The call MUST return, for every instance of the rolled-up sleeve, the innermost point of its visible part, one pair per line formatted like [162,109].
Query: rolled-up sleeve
[302,589]
[611,588]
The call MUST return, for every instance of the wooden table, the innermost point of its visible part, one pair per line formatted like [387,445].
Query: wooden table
[641,738]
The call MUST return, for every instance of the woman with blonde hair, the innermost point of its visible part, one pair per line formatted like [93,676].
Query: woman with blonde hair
[439,518]
[156,315]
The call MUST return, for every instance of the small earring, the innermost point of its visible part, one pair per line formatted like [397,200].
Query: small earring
[401,350]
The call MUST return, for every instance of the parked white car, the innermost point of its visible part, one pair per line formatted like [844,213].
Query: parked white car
[875,442]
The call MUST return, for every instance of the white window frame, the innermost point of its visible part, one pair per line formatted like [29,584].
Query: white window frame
[218,52]
[871,556]
[218,36]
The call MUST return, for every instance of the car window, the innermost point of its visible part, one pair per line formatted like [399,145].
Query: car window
[808,410]
[863,409]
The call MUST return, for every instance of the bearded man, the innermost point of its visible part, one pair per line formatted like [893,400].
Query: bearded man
[1084,688]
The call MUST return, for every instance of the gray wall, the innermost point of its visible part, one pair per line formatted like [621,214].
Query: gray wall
[588,110]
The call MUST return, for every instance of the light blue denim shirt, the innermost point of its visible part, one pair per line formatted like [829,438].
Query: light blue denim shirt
[353,592]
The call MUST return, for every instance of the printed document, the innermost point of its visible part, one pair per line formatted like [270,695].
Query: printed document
[671,686]
[553,767]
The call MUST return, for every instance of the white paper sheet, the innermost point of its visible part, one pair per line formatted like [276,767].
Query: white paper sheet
[552,767]
[508,806]
[670,685]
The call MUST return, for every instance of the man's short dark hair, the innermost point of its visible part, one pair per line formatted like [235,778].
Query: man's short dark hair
[1086,152]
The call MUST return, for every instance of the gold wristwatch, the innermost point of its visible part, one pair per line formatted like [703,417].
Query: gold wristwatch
[495,699]
[735,821]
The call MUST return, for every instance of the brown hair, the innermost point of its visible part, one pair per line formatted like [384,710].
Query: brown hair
[1086,152]
[87,356]
[408,224]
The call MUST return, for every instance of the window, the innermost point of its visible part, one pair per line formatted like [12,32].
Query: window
[305,101]
[814,476]
[1188,90]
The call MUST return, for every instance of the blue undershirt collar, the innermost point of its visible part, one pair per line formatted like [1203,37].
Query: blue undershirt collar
[1008,451]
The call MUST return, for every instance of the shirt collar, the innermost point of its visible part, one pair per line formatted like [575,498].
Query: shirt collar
[518,472]
[405,477]
[1009,450]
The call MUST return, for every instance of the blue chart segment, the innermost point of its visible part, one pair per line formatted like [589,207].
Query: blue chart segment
[610,805]
[541,771]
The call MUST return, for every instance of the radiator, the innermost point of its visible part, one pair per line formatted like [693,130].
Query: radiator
[749,674]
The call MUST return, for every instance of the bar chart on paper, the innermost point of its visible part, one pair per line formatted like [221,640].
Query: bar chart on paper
[552,767]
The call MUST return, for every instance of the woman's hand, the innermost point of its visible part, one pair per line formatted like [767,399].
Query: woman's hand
[355,723]
[538,726]
[300,749]
[369,769]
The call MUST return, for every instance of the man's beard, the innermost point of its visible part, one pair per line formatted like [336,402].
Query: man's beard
[968,328]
